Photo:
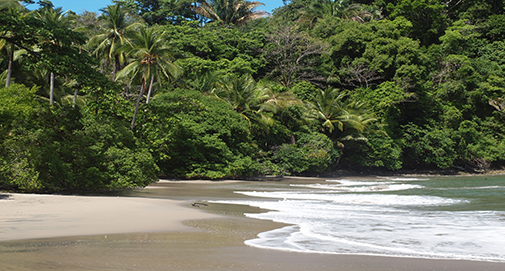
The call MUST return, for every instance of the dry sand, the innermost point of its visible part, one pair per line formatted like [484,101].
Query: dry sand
[30,216]
[161,234]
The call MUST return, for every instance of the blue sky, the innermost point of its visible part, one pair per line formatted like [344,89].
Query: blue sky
[78,6]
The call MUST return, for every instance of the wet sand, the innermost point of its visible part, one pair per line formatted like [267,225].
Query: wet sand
[213,240]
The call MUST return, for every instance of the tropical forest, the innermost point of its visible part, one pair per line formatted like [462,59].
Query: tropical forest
[216,89]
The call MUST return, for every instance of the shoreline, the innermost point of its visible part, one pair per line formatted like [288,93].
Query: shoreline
[212,240]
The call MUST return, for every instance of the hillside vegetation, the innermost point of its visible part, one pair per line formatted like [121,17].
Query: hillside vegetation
[220,89]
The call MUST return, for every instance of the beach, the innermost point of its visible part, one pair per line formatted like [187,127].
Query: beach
[148,230]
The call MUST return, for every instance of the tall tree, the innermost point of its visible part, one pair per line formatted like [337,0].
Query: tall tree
[18,29]
[230,11]
[428,17]
[162,11]
[336,8]
[115,34]
[293,55]
[152,59]
[60,23]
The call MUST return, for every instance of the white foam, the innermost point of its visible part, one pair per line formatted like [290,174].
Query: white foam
[344,182]
[369,188]
[289,239]
[355,217]
[469,188]
[406,179]
[440,235]
[367,199]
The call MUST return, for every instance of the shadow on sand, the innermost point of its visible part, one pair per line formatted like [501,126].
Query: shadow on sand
[4,196]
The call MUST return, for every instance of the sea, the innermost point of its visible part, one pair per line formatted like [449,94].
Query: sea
[460,217]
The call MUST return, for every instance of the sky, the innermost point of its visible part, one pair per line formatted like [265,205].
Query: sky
[78,6]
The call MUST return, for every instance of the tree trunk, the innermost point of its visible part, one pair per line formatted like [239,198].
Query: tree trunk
[9,69]
[341,146]
[117,67]
[51,89]
[150,89]
[75,97]
[138,102]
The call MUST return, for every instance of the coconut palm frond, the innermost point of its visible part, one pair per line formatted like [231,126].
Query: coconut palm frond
[341,119]
[128,70]
[230,11]
[80,101]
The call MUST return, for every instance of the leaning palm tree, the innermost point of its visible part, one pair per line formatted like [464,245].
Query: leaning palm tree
[116,29]
[230,11]
[152,59]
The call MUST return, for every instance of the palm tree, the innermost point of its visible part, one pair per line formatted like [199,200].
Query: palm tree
[230,11]
[204,83]
[254,101]
[74,99]
[54,19]
[115,32]
[152,59]
[498,104]
[342,120]
[10,51]
[15,16]
[335,8]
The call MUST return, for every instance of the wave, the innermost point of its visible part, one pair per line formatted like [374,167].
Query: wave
[344,182]
[471,235]
[366,187]
[361,199]
[366,217]
[470,188]
[405,179]
[290,238]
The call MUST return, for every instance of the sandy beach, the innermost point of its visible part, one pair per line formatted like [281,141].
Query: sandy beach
[29,216]
[142,230]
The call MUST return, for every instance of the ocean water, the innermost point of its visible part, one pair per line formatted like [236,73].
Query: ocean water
[424,217]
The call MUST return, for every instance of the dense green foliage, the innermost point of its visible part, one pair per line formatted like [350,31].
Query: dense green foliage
[219,89]
[65,148]
[194,136]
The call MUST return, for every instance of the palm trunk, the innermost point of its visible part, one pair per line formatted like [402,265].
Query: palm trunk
[51,89]
[293,139]
[341,146]
[150,89]
[117,67]
[9,69]
[138,102]
[75,97]
[337,162]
